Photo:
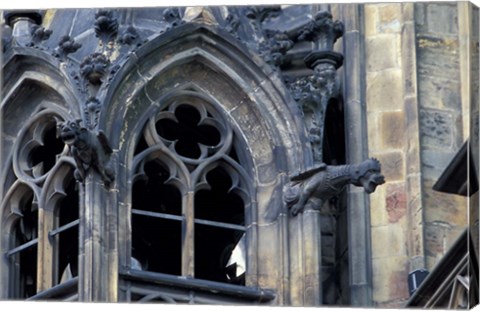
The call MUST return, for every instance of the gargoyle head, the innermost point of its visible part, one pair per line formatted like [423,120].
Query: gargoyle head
[368,175]
[70,131]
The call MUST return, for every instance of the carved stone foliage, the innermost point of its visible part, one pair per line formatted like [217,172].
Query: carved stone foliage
[129,36]
[322,30]
[276,47]
[271,44]
[312,188]
[94,68]
[38,34]
[313,93]
[309,99]
[106,26]
[258,14]
[67,45]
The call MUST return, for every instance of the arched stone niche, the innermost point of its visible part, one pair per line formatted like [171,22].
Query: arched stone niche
[250,96]
[36,91]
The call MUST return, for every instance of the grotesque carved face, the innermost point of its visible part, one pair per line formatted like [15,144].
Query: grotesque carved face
[370,175]
[69,131]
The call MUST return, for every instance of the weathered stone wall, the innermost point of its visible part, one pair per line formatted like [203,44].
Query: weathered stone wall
[475,118]
[415,127]
[473,102]
[387,134]
[441,122]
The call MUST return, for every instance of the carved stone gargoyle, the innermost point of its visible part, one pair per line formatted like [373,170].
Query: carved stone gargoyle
[309,190]
[89,148]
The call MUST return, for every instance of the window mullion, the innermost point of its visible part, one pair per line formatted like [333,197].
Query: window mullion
[46,250]
[188,226]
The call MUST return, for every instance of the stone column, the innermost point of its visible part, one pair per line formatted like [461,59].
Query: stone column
[317,91]
[98,259]
[359,248]
[441,122]
[468,28]
[414,199]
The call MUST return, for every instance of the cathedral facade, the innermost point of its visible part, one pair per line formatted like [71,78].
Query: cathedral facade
[290,155]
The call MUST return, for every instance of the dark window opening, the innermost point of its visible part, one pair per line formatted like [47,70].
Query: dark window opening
[47,154]
[334,241]
[169,231]
[218,203]
[68,239]
[152,194]
[156,244]
[334,134]
[213,254]
[26,263]
[23,255]
[188,132]
[215,258]
[156,240]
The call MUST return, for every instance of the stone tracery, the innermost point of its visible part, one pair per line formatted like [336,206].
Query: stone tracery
[193,168]
[204,145]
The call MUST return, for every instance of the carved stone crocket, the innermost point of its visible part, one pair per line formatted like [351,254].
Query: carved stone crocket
[312,188]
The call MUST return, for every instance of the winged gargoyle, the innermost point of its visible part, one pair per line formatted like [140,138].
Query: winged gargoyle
[89,148]
[312,188]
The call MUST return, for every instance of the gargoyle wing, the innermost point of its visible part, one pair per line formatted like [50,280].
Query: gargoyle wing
[308,173]
[102,138]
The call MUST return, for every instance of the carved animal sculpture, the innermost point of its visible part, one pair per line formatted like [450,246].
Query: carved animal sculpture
[88,148]
[312,188]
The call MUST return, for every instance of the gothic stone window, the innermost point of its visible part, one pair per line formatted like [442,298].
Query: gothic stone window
[40,209]
[189,194]
[203,136]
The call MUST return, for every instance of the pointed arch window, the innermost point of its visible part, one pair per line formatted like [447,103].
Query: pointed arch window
[64,234]
[190,195]
[23,244]
[40,211]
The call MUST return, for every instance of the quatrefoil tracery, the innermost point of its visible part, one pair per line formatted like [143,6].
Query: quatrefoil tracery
[194,135]
[190,129]
[191,138]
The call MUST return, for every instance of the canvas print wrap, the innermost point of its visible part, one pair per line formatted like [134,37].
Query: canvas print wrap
[280,155]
